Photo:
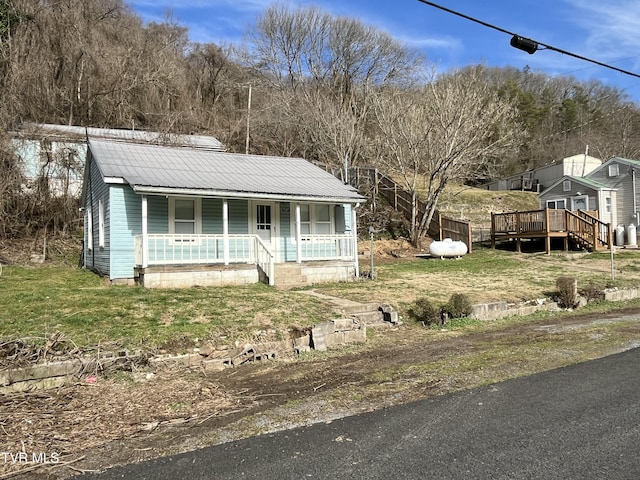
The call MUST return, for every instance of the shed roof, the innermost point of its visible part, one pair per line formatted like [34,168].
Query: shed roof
[156,169]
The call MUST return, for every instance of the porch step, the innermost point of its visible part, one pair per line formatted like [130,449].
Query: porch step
[289,275]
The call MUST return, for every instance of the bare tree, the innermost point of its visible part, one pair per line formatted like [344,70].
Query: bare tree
[329,66]
[447,130]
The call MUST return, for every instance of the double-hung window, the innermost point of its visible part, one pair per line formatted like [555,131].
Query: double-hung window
[316,219]
[184,219]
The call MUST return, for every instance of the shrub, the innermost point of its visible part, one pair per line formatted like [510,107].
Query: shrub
[592,292]
[567,291]
[423,311]
[458,306]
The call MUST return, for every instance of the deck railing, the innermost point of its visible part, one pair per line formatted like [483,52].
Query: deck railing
[582,226]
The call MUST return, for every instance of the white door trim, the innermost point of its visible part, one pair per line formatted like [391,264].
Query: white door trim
[275,223]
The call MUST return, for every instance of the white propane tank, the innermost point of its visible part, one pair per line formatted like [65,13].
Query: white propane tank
[620,235]
[631,235]
[447,248]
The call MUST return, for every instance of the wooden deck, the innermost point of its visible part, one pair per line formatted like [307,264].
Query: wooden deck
[583,228]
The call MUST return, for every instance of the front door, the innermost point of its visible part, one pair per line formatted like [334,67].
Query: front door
[265,221]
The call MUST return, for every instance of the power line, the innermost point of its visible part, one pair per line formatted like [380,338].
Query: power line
[527,44]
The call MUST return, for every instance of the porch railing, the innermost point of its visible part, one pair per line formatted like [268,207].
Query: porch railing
[265,260]
[327,247]
[166,249]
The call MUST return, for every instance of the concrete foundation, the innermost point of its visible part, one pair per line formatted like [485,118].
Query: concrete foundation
[197,276]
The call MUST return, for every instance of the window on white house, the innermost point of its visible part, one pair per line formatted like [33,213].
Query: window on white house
[607,204]
[557,204]
[316,219]
[184,216]
[323,219]
[614,170]
[305,219]
[566,185]
[89,228]
[100,223]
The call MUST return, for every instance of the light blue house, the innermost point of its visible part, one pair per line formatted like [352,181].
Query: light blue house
[182,216]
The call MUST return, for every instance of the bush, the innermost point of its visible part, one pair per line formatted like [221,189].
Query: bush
[592,293]
[567,291]
[423,311]
[458,306]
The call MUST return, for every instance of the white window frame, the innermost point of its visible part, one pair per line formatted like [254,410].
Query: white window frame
[614,170]
[555,202]
[100,223]
[579,197]
[89,228]
[313,221]
[608,204]
[197,212]
[566,185]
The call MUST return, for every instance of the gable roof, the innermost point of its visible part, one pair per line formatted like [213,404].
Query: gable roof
[585,181]
[163,170]
[620,160]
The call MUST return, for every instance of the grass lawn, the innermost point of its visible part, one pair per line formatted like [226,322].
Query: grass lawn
[488,275]
[39,301]
[36,302]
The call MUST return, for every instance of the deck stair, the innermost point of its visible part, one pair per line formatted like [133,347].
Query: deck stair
[583,228]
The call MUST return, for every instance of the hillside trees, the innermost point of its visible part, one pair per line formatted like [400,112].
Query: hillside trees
[452,128]
[323,70]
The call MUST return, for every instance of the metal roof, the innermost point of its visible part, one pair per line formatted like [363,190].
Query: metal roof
[179,170]
[140,136]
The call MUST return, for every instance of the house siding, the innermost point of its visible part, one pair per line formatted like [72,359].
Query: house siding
[157,214]
[557,193]
[624,204]
[238,216]
[288,252]
[124,228]
[97,258]
[212,216]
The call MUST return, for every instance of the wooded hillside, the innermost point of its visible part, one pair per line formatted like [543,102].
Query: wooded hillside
[322,87]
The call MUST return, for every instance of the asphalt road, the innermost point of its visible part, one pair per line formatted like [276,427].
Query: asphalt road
[578,422]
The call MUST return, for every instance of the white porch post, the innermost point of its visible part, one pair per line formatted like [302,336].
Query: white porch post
[145,234]
[225,230]
[354,232]
[298,235]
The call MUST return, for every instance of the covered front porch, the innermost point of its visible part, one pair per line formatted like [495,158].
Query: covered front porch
[320,238]
[207,260]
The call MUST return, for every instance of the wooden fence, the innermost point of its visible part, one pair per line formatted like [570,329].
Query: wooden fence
[402,201]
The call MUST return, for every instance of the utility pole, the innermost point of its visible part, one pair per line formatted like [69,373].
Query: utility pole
[248,121]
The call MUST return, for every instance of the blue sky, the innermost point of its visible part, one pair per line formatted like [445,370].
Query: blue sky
[605,31]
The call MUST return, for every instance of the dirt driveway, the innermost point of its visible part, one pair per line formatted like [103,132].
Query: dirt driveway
[141,415]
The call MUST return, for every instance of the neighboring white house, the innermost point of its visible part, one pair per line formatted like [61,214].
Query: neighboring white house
[541,178]
[57,152]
